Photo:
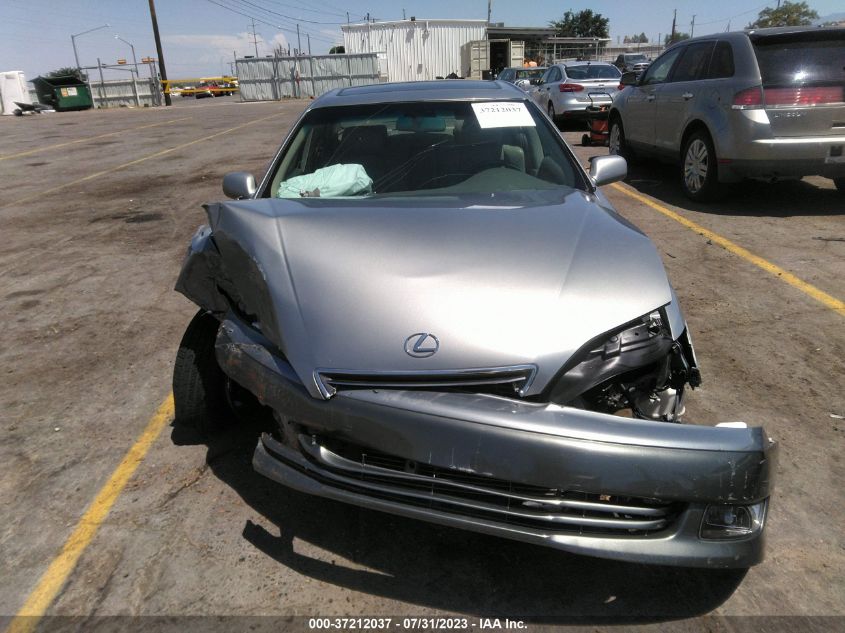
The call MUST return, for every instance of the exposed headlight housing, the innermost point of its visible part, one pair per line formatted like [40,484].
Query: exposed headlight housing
[634,345]
[726,522]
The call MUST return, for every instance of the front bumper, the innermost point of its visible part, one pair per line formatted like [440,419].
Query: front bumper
[460,442]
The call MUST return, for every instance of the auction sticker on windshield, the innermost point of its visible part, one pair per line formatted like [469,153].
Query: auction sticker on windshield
[502,114]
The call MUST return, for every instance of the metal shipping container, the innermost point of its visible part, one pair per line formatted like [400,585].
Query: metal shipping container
[415,50]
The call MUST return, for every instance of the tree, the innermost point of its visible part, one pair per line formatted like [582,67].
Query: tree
[68,71]
[582,24]
[678,37]
[643,38]
[787,14]
[337,50]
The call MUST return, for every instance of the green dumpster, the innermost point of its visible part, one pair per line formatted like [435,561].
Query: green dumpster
[63,93]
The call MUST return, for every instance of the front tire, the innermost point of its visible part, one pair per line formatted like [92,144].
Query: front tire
[840,183]
[699,168]
[200,388]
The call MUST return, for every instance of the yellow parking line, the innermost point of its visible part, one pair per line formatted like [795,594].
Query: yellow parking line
[52,581]
[819,295]
[44,192]
[89,138]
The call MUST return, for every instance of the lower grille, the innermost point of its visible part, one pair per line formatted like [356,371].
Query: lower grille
[552,510]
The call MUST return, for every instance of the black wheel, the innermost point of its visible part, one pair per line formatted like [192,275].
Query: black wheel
[840,183]
[200,388]
[17,112]
[585,140]
[699,168]
[616,140]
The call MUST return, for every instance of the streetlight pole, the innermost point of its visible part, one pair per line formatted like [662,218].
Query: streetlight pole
[73,43]
[135,77]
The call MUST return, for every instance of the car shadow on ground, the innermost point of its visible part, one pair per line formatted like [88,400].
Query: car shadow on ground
[448,569]
[750,197]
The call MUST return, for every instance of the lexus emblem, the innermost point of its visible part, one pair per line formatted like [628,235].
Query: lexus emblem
[421,345]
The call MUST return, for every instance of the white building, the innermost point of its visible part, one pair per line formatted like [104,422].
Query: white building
[415,49]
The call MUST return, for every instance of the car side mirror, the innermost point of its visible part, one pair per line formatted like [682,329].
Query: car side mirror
[239,185]
[628,79]
[607,169]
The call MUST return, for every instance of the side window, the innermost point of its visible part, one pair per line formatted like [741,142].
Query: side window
[693,63]
[722,63]
[547,75]
[554,74]
[507,75]
[659,70]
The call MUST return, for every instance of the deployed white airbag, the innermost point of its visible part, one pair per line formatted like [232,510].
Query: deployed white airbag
[329,182]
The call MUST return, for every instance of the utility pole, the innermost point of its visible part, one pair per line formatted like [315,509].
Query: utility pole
[254,38]
[672,37]
[403,14]
[103,103]
[489,10]
[692,26]
[298,41]
[161,68]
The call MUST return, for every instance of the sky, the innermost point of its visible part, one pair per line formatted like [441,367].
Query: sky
[200,37]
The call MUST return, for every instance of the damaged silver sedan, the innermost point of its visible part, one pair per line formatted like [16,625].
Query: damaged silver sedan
[449,321]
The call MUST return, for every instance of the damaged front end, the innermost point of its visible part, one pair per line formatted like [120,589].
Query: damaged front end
[588,457]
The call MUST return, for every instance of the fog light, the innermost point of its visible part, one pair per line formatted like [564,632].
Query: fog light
[732,521]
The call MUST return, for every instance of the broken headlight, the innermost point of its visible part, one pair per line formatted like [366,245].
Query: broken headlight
[634,346]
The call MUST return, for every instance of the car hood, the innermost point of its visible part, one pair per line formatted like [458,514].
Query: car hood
[520,279]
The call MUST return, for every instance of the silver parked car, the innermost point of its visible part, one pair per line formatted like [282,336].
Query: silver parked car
[523,77]
[567,90]
[450,322]
[766,103]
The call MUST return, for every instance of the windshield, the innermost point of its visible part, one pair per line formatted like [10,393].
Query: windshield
[423,149]
[593,72]
[635,58]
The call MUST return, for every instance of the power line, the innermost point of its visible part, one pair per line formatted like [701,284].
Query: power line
[299,7]
[289,26]
[287,17]
[762,6]
[260,21]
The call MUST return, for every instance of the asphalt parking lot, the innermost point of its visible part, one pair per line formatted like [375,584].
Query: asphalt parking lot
[97,209]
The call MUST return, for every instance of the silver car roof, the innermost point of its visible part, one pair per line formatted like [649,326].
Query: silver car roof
[416,91]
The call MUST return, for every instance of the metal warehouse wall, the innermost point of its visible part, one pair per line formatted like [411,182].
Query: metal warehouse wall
[423,49]
[271,78]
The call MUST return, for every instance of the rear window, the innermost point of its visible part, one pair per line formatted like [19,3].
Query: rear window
[789,62]
[593,72]
[533,73]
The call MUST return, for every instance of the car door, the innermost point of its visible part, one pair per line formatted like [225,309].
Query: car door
[549,86]
[684,91]
[639,112]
